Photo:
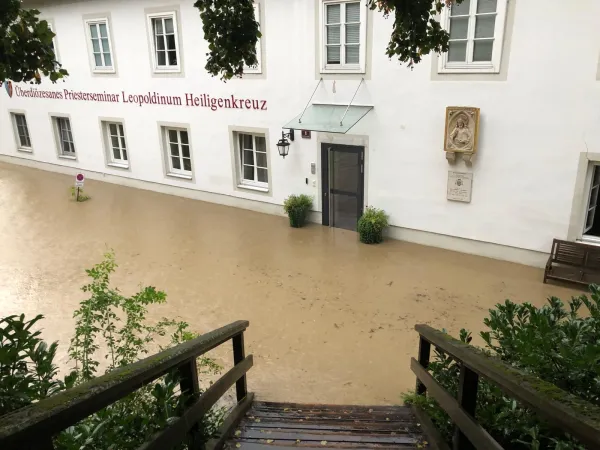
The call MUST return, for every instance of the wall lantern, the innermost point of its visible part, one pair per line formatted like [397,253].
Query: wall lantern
[283,146]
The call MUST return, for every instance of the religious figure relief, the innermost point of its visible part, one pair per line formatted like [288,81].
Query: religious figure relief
[462,129]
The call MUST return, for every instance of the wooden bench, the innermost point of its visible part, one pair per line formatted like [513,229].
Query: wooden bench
[573,261]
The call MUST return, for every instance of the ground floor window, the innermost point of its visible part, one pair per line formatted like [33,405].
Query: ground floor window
[253,165]
[116,146]
[21,132]
[178,153]
[64,137]
[592,219]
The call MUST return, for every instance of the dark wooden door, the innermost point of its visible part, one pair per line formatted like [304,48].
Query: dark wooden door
[342,171]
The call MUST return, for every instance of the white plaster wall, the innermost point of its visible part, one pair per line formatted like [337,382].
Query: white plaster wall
[533,125]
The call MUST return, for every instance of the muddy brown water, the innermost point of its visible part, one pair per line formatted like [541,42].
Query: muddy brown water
[331,320]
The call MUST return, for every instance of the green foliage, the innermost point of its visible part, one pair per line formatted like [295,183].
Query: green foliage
[416,31]
[26,45]
[297,208]
[371,225]
[27,370]
[113,326]
[557,344]
[82,196]
[232,34]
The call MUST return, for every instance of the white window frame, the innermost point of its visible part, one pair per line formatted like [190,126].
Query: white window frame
[343,68]
[258,67]
[172,171]
[470,66]
[20,146]
[122,141]
[166,68]
[54,42]
[242,182]
[96,22]
[59,132]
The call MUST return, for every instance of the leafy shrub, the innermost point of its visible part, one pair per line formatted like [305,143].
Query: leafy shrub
[556,344]
[110,323]
[371,225]
[27,369]
[297,208]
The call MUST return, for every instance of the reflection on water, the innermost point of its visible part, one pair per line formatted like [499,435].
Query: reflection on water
[331,320]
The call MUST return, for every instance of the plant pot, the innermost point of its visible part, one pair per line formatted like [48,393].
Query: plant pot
[297,219]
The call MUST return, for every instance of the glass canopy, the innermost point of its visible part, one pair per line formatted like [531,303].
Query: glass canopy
[328,118]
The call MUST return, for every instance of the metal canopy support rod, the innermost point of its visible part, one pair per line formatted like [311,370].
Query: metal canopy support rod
[346,112]
[313,94]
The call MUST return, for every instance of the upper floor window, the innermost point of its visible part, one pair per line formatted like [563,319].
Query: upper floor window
[164,41]
[177,152]
[343,37]
[258,67]
[21,132]
[64,137]
[115,144]
[100,45]
[476,30]
[253,160]
[53,44]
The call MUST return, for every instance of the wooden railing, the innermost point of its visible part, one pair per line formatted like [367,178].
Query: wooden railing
[565,411]
[32,427]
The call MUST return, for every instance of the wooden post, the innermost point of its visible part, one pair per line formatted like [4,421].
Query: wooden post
[77,198]
[424,353]
[188,381]
[239,353]
[467,397]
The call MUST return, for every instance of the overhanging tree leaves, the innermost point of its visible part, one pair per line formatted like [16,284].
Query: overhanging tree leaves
[232,32]
[26,45]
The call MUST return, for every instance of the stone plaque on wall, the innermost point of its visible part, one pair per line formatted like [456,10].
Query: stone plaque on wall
[459,186]
[461,132]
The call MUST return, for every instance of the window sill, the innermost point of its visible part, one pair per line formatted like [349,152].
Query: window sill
[341,70]
[252,71]
[253,188]
[25,149]
[158,70]
[99,71]
[72,158]
[467,70]
[179,175]
[118,165]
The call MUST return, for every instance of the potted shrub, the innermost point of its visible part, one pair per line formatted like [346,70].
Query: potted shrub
[297,208]
[371,225]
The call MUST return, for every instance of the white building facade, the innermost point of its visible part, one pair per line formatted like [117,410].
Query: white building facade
[139,109]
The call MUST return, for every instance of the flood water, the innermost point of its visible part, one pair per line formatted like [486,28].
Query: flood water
[331,320]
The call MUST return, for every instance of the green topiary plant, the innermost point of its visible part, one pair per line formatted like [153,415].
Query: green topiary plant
[297,208]
[371,225]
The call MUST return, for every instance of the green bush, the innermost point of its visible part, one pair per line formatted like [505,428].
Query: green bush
[297,208]
[557,344]
[114,327]
[371,225]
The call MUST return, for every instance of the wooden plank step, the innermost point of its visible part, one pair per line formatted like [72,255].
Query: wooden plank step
[380,427]
[243,445]
[317,407]
[316,436]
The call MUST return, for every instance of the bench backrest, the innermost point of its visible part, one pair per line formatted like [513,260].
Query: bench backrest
[575,253]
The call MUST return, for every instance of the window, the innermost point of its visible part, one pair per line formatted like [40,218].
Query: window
[165,46]
[116,147]
[100,46]
[53,44]
[21,132]
[344,31]
[64,137]
[257,68]
[253,167]
[476,30]
[591,226]
[179,157]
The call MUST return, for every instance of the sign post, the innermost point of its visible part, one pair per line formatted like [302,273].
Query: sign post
[79,180]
